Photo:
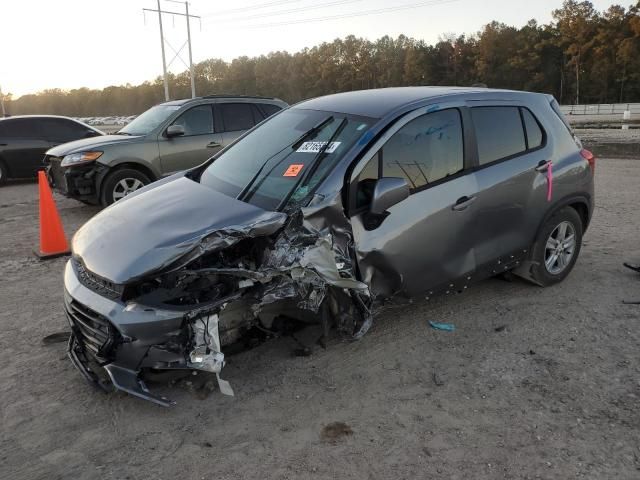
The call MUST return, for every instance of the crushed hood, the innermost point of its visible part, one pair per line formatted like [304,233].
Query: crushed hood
[89,144]
[169,225]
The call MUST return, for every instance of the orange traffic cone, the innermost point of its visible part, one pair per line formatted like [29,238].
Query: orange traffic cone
[52,240]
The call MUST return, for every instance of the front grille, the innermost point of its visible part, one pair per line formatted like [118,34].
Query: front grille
[99,285]
[92,330]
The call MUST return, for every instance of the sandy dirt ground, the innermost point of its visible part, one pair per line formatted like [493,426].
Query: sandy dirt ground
[534,383]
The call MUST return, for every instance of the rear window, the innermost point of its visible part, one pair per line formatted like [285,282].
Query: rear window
[535,137]
[499,133]
[61,130]
[237,116]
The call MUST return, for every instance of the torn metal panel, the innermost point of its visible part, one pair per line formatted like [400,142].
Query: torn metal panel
[206,354]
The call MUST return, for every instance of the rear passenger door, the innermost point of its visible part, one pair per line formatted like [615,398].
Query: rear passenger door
[511,152]
[233,119]
[22,146]
[424,244]
[199,142]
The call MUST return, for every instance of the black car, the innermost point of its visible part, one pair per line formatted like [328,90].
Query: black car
[25,139]
[319,215]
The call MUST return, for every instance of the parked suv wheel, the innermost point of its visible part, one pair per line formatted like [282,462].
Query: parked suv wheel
[121,183]
[557,247]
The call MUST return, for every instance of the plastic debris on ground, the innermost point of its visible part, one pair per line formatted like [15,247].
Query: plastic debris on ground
[446,327]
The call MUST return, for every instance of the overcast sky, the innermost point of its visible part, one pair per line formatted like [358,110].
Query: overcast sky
[74,43]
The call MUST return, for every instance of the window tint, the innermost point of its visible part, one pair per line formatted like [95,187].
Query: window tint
[534,133]
[20,128]
[269,109]
[236,116]
[61,130]
[197,120]
[425,150]
[499,132]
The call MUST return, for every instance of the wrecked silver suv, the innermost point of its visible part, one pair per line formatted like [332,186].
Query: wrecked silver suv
[320,213]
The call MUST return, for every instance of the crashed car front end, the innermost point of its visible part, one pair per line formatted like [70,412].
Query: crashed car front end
[212,291]
[169,276]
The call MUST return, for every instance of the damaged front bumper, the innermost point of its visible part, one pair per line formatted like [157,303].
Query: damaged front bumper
[113,342]
[79,182]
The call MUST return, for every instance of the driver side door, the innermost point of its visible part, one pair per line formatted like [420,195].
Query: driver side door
[198,144]
[423,244]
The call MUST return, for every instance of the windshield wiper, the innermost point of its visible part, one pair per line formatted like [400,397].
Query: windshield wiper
[120,132]
[295,145]
[315,163]
[248,191]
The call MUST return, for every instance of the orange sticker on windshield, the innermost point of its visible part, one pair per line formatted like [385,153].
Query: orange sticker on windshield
[293,170]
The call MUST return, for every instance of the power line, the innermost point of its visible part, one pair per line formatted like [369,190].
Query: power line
[249,7]
[349,15]
[291,10]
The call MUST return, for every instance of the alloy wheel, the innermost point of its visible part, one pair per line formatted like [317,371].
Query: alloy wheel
[560,248]
[126,186]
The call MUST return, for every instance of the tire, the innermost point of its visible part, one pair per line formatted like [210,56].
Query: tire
[120,183]
[552,261]
[3,173]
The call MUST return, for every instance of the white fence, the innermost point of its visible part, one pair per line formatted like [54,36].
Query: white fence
[601,109]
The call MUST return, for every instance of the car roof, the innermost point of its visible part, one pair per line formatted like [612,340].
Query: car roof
[11,117]
[376,103]
[209,97]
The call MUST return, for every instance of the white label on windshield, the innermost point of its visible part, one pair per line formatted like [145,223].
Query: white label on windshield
[315,147]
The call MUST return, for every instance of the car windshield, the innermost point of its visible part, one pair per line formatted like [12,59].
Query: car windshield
[284,158]
[149,120]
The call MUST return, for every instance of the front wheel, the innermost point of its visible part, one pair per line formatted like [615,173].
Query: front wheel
[557,247]
[121,183]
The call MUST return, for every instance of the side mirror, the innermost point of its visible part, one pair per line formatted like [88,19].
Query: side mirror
[388,192]
[174,131]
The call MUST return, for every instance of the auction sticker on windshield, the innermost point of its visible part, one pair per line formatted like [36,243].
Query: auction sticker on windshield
[293,170]
[316,147]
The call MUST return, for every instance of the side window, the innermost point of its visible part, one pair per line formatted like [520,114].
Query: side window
[236,116]
[20,128]
[499,132]
[61,130]
[197,120]
[425,150]
[269,109]
[535,136]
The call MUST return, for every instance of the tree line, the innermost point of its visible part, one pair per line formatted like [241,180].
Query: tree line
[582,56]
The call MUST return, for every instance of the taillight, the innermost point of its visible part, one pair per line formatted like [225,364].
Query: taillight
[589,157]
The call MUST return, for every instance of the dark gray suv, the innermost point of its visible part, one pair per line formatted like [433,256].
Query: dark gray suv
[319,214]
[169,137]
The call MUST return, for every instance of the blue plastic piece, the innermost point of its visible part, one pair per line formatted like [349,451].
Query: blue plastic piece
[447,327]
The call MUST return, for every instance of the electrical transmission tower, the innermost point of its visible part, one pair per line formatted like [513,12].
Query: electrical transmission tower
[163,41]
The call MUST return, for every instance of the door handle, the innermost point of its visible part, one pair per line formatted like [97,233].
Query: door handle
[213,145]
[3,144]
[463,203]
[543,165]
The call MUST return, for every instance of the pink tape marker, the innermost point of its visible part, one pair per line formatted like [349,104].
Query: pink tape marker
[549,181]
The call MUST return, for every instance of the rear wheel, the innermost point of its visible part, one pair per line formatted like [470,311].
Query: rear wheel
[557,247]
[121,183]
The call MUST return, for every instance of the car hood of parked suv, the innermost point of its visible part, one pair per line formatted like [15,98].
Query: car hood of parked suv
[134,238]
[93,143]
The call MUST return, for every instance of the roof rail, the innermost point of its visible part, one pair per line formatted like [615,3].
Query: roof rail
[238,96]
